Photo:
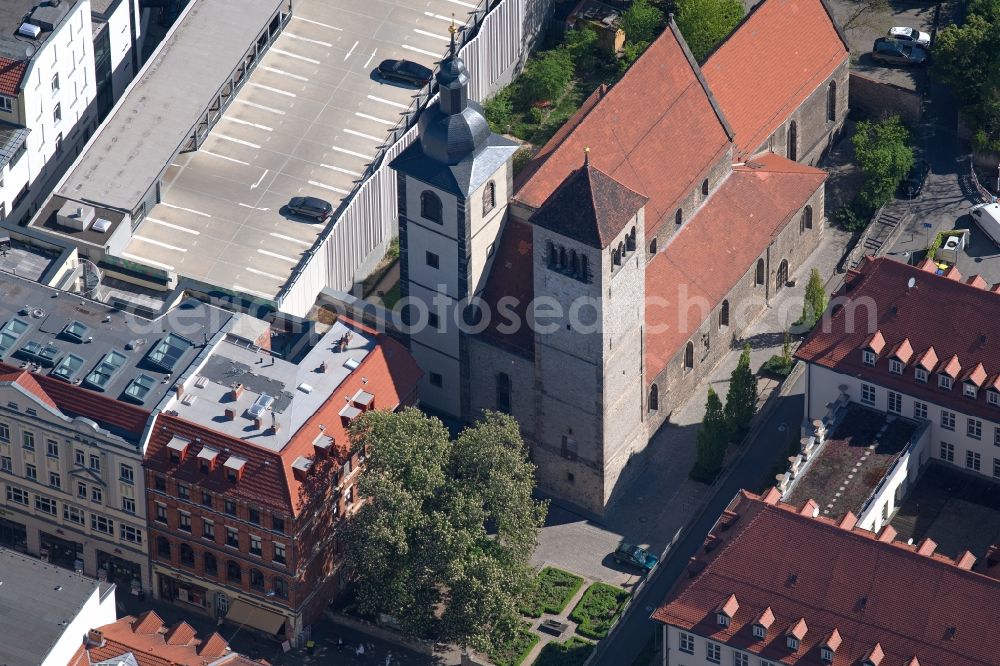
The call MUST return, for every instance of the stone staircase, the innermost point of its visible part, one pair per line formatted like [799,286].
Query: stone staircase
[888,221]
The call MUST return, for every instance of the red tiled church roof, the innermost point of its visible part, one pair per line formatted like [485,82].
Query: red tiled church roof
[950,326]
[770,64]
[388,372]
[511,281]
[880,597]
[715,248]
[656,131]
[11,74]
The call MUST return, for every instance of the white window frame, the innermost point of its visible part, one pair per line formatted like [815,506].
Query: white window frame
[713,652]
[944,382]
[6,104]
[947,452]
[18,496]
[948,420]
[130,534]
[920,375]
[125,504]
[895,366]
[868,394]
[919,409]
[970,390]
[74,514]
[102,524]
[869,358]
[895,399]
[41,502]
[974,428]
[973,460]
[126,473]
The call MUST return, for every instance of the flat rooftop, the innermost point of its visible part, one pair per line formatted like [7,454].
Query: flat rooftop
[47,219]
[277,391]
[24,261]
[957,509]
[861,450]
[143,134]
[37,601]
[87,343]
[307,123]
[14,12]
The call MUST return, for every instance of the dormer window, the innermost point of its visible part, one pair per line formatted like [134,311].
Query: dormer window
[944,382]
[793,643]
[723,619]
[920,375]
[895,367]
[234,468]
[759,632]
[969,390]
[826,654]
[177,449]
[993,398]
[868,356]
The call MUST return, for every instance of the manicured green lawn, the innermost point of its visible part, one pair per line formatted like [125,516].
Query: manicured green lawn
[513,653]
[555,588]
[572,652]
[598,610]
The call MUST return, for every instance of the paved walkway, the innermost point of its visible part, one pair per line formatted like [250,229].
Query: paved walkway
[546,638]
[662,499]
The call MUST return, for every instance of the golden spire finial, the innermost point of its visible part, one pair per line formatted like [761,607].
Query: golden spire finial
[586,156]
[452,28]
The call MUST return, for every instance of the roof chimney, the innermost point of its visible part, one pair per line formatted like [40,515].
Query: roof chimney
[849,521]
[887,534]
[927,547]
[810,508]
[771,496]
[237,392]
[95,638]
[965,561]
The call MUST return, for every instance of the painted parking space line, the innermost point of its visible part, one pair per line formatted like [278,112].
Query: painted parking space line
[237,287]
[449,19]
[364,136]
[306,39]
[341,170]
[219,135]
[416,50]
[278,256]
[370,58]
[260,180]
[375,118]
[262,107]
[294,55]
[223,157]
[168,246]
[282,72]
[351,50]
[290,239]
[175,227]
[325,25]
[266,274]
[427,33]
[388,101]
[186,210]
[240,121]
[316,183]
[273,89]
[144,260]
[253,207]
[353,153]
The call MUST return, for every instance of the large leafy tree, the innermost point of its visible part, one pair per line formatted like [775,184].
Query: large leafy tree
[641,22]
[705,23]
[741,400]
[443,539]
[546,77]
[964,58]
[882,151]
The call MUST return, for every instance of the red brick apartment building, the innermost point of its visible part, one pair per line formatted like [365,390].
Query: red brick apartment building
[249,472]
[776,585]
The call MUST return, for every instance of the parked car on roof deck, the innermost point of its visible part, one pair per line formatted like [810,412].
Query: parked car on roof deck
[404,71]
[905,34]
[317,209]
[896,52]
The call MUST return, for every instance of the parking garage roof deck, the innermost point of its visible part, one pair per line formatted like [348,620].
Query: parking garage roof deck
[165,102]
[89,344]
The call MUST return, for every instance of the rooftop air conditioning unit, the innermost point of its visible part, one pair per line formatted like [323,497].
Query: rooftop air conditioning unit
[29,30]
[952,242]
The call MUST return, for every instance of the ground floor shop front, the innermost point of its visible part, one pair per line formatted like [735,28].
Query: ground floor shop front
[228,605]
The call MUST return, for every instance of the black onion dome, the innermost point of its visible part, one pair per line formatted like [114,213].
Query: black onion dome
[449,138]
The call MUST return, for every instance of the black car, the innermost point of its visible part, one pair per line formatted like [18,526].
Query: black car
[911,186]
[311,207]
[404,71]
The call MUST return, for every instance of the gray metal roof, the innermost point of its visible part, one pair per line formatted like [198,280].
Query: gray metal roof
[12,138]
[150,123]
[126,344]
[37,602]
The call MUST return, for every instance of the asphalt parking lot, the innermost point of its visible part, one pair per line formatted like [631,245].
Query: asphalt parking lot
[305,124]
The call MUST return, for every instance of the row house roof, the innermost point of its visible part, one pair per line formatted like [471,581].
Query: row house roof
[271,475]
[865,597]
[771,63]
[921,320]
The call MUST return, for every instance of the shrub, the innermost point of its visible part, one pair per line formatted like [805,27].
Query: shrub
[499,111]
[546,76]
[514,652]
[777,366]
[884,156]
[555,588]
[520,160]
[641,22]
[847,218]
[599,609]
[705,23]
[572,652]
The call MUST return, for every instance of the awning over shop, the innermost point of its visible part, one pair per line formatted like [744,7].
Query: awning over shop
[240,612]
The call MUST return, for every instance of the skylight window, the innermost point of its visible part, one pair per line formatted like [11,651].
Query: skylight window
[45,355]
[139,388]
[76,331]
[68,367]
[101,376]
[166,354]
[10,333]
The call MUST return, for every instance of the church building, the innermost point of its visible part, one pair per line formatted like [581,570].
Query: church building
[589,295]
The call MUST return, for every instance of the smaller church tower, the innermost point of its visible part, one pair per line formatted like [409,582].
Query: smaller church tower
[453,185]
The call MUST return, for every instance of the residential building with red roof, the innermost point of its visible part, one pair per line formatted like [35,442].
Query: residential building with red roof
[588,295]
[776,584]
[907,342]
[147,641]
[249,472]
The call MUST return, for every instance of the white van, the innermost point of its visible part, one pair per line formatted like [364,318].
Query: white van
[987,216]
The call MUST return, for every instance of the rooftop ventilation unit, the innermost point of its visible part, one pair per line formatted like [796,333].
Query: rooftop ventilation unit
[101,225]
[29,30]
